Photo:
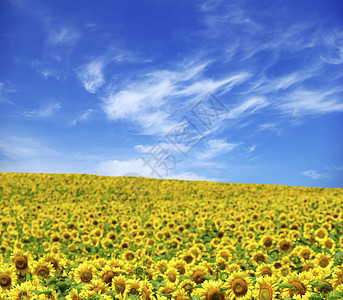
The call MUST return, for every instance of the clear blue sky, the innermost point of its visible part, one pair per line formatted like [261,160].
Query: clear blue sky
[117,87]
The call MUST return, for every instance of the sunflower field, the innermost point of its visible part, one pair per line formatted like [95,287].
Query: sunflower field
[68,236]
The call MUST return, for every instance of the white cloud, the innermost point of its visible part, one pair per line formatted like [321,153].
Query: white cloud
[314,174]
[5,89]
[302,101]
[91,75]
[250,105]
[64,35]
[23,148]
[83,117]
[333,53]
[136,167]
[216,147]
[45,112]
[152,99]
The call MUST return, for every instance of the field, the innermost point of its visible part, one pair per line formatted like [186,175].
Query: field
[91,237]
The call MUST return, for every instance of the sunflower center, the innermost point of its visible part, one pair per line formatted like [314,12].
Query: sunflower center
[285,246]
[306,255]
[130,256]
[86,276]
[107,278]
[300,289]
[42,271]
[188,288]
[266,272]
[259,258]
[119,287]
[188,259]
[5,280]
[266,294]
[268,243]
[196,277]
[23,296]
[163,269]
[239,287]
[53,262]
[21,263]
[172,277]
[284,272]
[324,262]
[181,270]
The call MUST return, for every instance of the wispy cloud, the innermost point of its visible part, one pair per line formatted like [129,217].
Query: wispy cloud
[136,168]
[216,147]
[314,174]
[150,100]
[92,76]
[303,101]
[5,89]
[82,117]
[23,148]
[333,53]
[45,112]
[63,35]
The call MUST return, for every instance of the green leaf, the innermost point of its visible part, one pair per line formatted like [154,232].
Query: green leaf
[208,277]
[286,286]
[335,295]
[110,292]
[338,255]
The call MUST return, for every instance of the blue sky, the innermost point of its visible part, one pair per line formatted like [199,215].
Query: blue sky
[226,91]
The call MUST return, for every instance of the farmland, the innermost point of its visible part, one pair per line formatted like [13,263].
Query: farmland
[69,236]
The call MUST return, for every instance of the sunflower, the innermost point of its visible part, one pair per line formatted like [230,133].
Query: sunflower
[95,287]
[120,284]
[107,273]
[58,261]
[146,290]
[133,287]
[323,260]
[239,286]
[221,264]
[225,254]
[180,294]
[265,288]
[337,276]
[328,243]
[187,285]
[42,269]
[212,290]
[308,265]
[84,273]
[196,272]
[74,295]
[23,291]
[180,265]
[8,277]
[304,253]
[267,241]
[301,288]
[285,245]
[322,278]
[162,266]
[321,234]
[21,261]
[259,257]
[168,288]
[265,270]
[171,276]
